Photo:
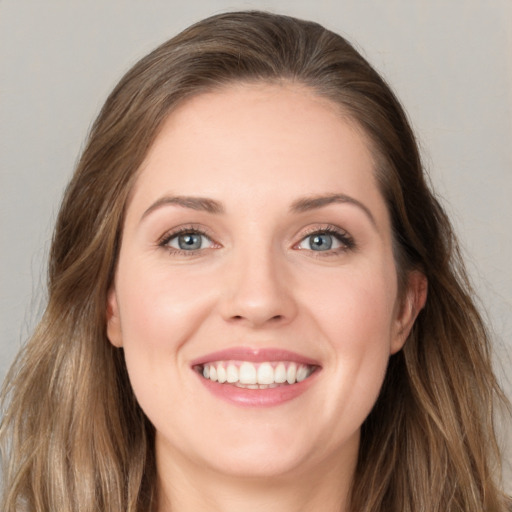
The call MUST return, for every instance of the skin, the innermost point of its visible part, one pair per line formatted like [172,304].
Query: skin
[257,149]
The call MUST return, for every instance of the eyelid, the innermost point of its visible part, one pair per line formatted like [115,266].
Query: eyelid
[164,240]
[342,236]
[345,239]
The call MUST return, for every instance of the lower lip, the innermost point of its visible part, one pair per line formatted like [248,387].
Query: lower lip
[268,397]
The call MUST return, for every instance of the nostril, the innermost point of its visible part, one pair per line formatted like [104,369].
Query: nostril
[273,319]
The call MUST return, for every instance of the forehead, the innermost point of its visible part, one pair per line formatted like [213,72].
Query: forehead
[257,140]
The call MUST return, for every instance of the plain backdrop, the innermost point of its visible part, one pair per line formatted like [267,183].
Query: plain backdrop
[450,62]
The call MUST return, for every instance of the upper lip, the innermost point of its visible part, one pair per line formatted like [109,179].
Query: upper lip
[254,355]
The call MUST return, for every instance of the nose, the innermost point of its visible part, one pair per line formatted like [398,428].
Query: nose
[258,291]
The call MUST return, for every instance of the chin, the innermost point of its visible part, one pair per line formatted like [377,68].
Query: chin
[271,452]
[259,464]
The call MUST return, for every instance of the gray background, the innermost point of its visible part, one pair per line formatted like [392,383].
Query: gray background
[450,62]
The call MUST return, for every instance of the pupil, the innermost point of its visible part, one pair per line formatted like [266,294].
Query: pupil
[189,241]
[321,242]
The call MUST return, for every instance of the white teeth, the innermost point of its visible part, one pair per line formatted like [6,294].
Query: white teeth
[232,373]
[265,374]
[291,373]
[302,373]
[248,374]
[280,373]
[221,374]
[256,375]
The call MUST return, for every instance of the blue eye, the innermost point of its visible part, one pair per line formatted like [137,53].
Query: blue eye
[326,240]
[188,241]
[320,242]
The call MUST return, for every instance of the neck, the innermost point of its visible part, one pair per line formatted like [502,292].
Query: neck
[187,487]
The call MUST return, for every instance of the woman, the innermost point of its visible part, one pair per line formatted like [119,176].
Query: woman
[254,299]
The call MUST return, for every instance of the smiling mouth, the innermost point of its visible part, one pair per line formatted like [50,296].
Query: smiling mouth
[250,375]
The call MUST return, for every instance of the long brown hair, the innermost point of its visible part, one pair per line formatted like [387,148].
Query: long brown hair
[73,436]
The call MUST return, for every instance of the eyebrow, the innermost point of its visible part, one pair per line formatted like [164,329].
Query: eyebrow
[301,205]
[313,202]
[202,204]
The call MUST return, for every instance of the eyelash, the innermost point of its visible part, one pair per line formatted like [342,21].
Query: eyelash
[341,236]
[191,229]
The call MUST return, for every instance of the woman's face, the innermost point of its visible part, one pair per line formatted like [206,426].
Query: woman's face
[255,295]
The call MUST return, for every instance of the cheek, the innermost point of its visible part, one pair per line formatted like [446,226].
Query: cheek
[356,307]
[159,313]
[356,316]
[359,328]
[160,307]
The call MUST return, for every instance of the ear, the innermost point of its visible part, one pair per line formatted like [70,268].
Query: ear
[114,333]
[409,308]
